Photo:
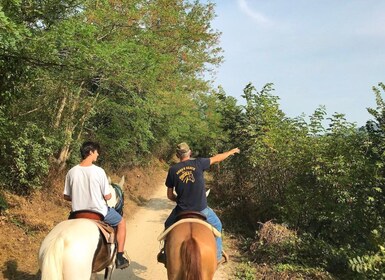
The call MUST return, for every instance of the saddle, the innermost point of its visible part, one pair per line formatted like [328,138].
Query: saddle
[190,214]
[103,254]
[189,217]
[87,214]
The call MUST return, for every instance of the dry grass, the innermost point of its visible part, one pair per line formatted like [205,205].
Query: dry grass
[271,233]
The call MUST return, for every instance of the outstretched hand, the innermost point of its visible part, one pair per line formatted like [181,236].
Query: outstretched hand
[235,151]
[223,156]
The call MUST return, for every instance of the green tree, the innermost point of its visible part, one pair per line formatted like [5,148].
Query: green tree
[115,71]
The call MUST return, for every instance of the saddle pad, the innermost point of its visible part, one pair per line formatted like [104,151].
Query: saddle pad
[107,231]
[189,220]
[103,256]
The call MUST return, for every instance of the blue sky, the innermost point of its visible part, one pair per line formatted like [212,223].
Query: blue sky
[316,53]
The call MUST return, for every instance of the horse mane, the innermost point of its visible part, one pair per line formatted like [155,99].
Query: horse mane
[191,260]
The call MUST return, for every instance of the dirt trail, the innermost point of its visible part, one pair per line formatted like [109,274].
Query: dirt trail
[142,246]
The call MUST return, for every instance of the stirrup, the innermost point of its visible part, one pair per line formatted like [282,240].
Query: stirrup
[224,259]
[161,257]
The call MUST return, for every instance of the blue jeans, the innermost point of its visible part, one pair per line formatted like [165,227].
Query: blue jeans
[112,218]
[212,219]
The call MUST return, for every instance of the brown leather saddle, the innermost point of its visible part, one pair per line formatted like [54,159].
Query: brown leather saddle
[104,253]
[190,214]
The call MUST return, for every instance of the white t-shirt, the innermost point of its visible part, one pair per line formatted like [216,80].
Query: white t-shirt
[87,186]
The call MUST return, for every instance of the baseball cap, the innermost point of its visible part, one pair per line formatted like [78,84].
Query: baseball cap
[182,148]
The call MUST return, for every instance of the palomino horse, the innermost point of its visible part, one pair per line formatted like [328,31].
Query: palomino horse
[67,252]
[191,252]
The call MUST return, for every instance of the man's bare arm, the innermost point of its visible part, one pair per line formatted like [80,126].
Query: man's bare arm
[67,197]
[220,157]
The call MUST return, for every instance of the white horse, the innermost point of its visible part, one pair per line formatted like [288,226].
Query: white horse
[67,252]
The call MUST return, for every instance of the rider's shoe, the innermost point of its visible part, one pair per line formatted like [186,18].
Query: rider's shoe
[161,257]
[121,262]
[224,259]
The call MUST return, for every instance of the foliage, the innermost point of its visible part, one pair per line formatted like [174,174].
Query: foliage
[369,263]
[111,71]
[300,272]
[27,160]
[245,271]
[370,266]
[327,183]
[288,253]
[131,75]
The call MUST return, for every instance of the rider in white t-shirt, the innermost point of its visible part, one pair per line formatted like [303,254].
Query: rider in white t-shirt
[87,187]
[91,187]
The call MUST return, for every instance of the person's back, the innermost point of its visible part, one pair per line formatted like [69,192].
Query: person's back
[87,187]
[90,186]
[187,180]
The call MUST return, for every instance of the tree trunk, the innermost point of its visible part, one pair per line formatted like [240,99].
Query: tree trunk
[60,112]
[78,114]
[69,127]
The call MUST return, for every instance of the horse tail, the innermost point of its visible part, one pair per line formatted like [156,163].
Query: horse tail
[52,260]
[191,260]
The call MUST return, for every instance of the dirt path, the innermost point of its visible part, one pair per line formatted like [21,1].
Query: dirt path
[142,246]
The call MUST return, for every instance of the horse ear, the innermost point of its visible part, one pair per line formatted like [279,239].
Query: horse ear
[121,183]
[207,192]
[109,180]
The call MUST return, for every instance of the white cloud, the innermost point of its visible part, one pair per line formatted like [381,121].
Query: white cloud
[256,16]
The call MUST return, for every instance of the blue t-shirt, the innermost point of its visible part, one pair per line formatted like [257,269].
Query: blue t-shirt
[187,179]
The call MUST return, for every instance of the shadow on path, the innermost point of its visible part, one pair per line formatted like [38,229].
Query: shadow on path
[131,272]
[158,204]
[11,272]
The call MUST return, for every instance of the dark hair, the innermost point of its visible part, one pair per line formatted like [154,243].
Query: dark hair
[87,147]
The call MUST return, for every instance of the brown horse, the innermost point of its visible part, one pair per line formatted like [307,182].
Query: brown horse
[191,252]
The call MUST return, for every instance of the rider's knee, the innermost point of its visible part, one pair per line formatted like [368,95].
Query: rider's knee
[122,222]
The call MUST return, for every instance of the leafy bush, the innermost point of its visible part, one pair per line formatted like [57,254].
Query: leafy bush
[370,266]
[327,183]
[245,271]
[28,160]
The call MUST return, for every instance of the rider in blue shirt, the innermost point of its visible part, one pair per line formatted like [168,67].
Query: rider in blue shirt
[186,186]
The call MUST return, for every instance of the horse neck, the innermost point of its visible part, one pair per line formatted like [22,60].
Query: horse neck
[113,200]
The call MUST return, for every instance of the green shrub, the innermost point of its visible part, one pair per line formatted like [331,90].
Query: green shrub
[28,161]
[245,271]
[371,266]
